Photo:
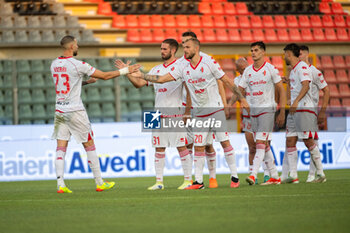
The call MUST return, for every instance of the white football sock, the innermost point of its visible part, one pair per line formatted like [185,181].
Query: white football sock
[59,165]
[231,160]
[211,161]
[266,170]
[159,163]
[94,164]
[312,169]
[316,157]
[250,169]
[285,167]
[292,156]
[186,163]
[269,162]
[258,158]
[199,161]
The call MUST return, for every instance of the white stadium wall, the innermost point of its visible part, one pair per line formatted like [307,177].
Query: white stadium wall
[27,152]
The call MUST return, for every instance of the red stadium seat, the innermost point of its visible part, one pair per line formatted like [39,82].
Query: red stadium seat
[231,21]
[306,34]
[194,21]
[292,21]
[316,21]
[346,102]
[304,21]
[256,21]
[227,64]
[347,61]
[241,8]
[339,21]
[325,8]
[146,35]
[145,21]
[334,102]
[207,21]
[244,22]
[270,35]
[204,8]
[342,34]
[157,21]
[246,35]
[258,35]
[268,21]
[250,60]
[217,8]
[234,35]
[330,34]
[182,21]
[327,62]
[158,35]
[219,21]
[133,35]
[277,61]
[267,59]
[131,21]
[169,21]
[318,63]
[327,21]
[104,8]
[221,35]
[294,34]
[280,21]
[198,33]
[347,19]
[339,61]
[172,33]
[329,76]
[282,35]
[337,8]
[229,8]
[333,89]
[209,35]
[344,90]
[119,21]
[318,34]
[342,77]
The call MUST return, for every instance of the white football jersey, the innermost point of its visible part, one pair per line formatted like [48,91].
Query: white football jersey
[260,86]
[167,94]
[318,83]
[236,81]
[201,82]
[298,74]
[67,74]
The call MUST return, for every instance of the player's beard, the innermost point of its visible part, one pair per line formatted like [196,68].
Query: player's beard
[166,56]
[75,53]
[287,62]
[190,56]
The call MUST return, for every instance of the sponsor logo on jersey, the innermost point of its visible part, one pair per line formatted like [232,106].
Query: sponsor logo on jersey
[252,83]
[250,75]
[199,91]
[200,80]
[306,74]
[188,72]
[162,90]
[304,68]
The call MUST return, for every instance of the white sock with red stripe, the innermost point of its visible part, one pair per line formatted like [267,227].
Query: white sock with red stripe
[250,169]
[94,164]
[266,170]
[270,165]
[292,156]
[59,165]
[231,160]
[199,161]
[186,163]
[316,157]
[258,158]
[191,155]
[312,169]
[285,167]
[159,163]
[211,161]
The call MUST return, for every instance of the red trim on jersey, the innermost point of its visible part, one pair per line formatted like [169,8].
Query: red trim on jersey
[259,114]
[172,77]
[210,113]
[59,111]
[64,57]
[310,65]
[197,64]
[222,76]
[246,116]
[166,66]
[184,104]
[187,59]
[296,65]
[259,68]
[306,110]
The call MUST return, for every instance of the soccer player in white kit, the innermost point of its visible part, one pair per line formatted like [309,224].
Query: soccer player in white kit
[318,84]
[260,80]
[200,76]
[302,118]
[168,95]
[70,115]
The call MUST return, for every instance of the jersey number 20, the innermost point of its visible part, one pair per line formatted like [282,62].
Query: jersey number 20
[65,79]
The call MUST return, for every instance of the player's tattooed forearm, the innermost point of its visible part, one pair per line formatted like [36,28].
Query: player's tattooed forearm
[151,78]
[237,92]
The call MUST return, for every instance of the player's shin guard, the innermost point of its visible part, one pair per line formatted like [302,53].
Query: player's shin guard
[211,161]
[292,156]
[159,162]
[231,160]
[59,165]
[316,158]
[94,164]
[186,163]
[259,156]
[199,160]
[269,161]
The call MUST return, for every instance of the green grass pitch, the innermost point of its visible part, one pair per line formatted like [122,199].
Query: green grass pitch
[36,207]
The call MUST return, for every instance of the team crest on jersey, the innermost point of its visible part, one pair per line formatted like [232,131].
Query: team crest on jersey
[188,73]
[304,67]
[202,69]
[215,62]
[250,75]
[305,74]
[319,74]
[264,72]
[172,69]
[158,71]
[83,62]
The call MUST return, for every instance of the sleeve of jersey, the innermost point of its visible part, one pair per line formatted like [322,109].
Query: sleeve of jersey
[320,81]
[216,70]
[305,75]
[177,72]
[276,78]
[87,69]
[243,82]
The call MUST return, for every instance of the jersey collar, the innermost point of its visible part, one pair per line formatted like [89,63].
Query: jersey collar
[64,57]
[259,68]
[166,66]
[296,65]
[197,63]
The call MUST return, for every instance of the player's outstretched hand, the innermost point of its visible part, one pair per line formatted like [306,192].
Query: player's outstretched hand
[120,64]
[245,105]
[293,108]
[134,68]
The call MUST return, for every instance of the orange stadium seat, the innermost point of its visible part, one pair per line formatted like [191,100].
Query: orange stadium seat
[241,8]
[268,21]
[231,22]
[132,21]
[330,76]
[338,61]
[172,33]
[221,35]
[244,22]
[327,62]
[316,21]
[194,21]
[342,77]
[306,34]
[157,21]
[229,8]
[182,21]
[146,35]
[169,21]
[342,34]
[333,89]
[270,35]
[325,8]
[256,21]
[292,21]
[209,35]
[294,34]
[207,21]
[267,59]
[133,35]
[233,35]
[280,21]
[346,102]
[330,34]
[339,21]
[199,33]
[104,8]
[334,102]
[119,21]
[337,8]
[347,19]
[204,8]
[158,35]
[258,35]
[304,21]
[318,63]
[347,61]
[250,60]
[344,90]
[217,8]
[246,35]
[277,61]
[145,21]
[227,64]
[327,21]
[219,21]
[282,35]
